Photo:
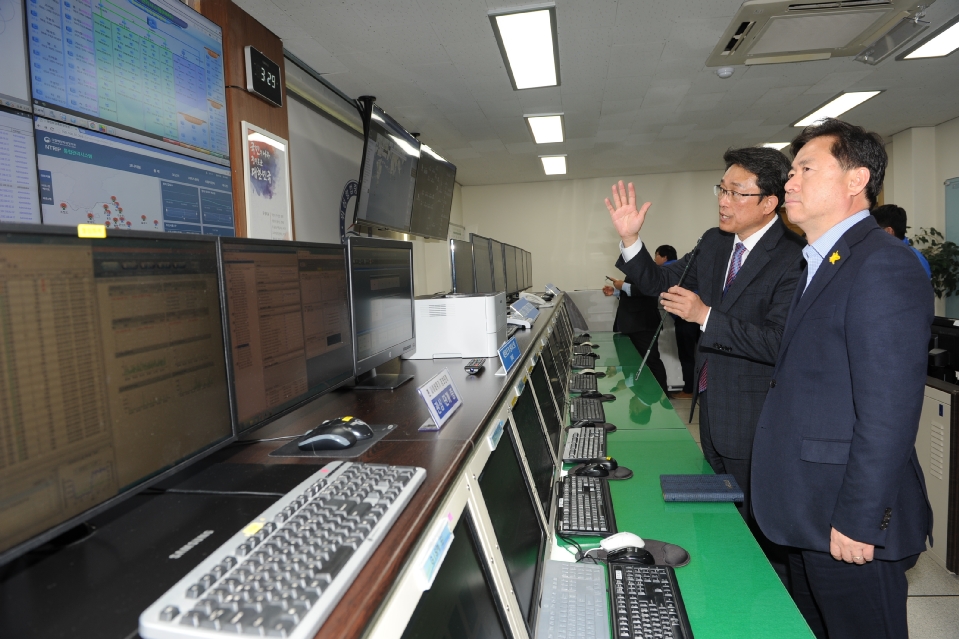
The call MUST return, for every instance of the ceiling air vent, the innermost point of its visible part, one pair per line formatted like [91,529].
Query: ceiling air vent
[770,31]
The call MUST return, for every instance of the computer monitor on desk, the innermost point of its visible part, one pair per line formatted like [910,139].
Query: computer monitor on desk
[482,265]
[509,258]
[536,449]
[461,265]
[381,300]
[112,372]
[944,350]
[288,319]
[499,266]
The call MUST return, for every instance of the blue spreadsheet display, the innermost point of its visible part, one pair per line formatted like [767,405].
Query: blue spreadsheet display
[149,67]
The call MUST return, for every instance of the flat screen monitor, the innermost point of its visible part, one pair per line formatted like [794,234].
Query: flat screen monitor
[944,336]
[535,446]
[509,257]
[461,262]
[387,174]
[520,535]
[499,267]
[529,269]
[14,80]
[91,178]
[288,324]
[19,199]
[521,268]
[112,372]
[547,406]
[482,266]
[432,195]
[381,300]
[150,71]
[463,601]
[556,383]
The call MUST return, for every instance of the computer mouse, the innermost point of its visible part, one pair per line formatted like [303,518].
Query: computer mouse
[359,428]
[599,468]
[591,371]
[622,540]
[335,437]
[581,424]
[591,394]
[631,555]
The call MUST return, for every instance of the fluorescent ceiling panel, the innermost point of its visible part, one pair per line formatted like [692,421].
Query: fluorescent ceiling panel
[546,128]
[554,164]
[939,46]
[528,47]
[837,106]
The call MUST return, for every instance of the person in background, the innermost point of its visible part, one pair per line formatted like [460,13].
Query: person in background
[892,220]
[637,317]
[687,333]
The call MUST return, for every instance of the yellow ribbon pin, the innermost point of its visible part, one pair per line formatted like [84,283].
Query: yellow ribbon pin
[834,257]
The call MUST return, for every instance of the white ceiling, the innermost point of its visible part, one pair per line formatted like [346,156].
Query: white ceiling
[635,92]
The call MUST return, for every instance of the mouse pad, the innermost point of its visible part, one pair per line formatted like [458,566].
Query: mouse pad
[664,553]
[361,446]
[617,473]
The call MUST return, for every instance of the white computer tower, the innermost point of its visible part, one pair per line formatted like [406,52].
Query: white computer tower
[459,326]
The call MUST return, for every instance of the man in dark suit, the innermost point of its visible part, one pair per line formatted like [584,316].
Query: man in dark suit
[637,317]
[835,473]
[745,274]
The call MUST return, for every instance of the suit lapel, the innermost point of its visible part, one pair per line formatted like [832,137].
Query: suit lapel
[720,264]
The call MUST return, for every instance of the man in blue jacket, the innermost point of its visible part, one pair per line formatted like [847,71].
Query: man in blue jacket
[892,219]
[835,477]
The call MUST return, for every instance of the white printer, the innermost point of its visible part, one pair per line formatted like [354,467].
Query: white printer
[459,325]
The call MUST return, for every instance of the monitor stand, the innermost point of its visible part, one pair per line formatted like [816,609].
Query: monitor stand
[383,381]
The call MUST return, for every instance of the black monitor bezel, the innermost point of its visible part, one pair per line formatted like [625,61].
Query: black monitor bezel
[512,268]
[14,228]
[488,243]
[449,201]
[546,504]
[228,345]
[497,256]
[455,286]
[377,359]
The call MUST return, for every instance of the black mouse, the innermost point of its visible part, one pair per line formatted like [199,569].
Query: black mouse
[336,437]
[631,555]
[583,423]
[598,468]
[591,394]
[359,428]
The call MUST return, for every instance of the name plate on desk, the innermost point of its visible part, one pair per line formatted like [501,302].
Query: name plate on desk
[509,353]
[525,309]
[441,399]
[552,289]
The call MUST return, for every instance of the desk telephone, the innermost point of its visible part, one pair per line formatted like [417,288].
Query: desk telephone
[536,299]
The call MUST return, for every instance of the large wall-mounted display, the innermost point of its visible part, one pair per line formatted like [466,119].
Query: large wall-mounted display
[146,70]
[14,83]
[18,168]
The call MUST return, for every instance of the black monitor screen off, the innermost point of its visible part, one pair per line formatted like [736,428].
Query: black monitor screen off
[288,315]
[529,269]
[462,601]
[381,298]
[388,174]
[112,372]
[482,267]
[499,269]
[433,195]
[177,101]
[461,260]
[535,445]
[544,398]
[521,268]
[517,524]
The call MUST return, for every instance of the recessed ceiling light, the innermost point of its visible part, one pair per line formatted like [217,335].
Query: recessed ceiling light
[779,146]
[939,45]
[545,128]
[554,164]
[837,106]
[527,41]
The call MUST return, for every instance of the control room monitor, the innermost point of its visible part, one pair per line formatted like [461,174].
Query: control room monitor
[499,266]
[482,266]
[512,276]
[288,320]
[432,195]
[112,372]
[461,263]
[544,399]
[535,446]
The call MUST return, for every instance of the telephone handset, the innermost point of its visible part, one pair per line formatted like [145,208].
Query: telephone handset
[536,299]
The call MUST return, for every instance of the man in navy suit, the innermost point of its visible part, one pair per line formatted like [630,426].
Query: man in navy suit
[835,477]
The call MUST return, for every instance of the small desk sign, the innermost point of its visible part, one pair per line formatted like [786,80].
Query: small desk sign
[552,289]
[525,309]
[441,399]
[509,354]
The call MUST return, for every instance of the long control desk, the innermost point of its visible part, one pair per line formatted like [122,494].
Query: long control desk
[98,585]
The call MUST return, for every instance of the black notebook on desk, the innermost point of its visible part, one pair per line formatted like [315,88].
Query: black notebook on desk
[700,488]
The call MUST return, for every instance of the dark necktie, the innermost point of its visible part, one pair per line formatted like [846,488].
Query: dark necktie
[734,265]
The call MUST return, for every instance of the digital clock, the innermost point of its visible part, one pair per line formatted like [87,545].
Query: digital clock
[263,77]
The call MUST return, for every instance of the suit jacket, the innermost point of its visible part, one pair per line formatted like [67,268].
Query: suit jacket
[835,445]
[636,312]
[742,335]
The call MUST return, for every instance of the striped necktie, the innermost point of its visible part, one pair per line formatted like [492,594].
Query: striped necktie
[734,265]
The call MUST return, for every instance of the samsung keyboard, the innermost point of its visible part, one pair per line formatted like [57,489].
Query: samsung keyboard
[283,573]
[583,361]
[584,444]
[587,408]
[585,507]
[573,602]
[646,602]
[582,349]
[581,383]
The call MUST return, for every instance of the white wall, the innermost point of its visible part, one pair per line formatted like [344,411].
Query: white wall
[565,224]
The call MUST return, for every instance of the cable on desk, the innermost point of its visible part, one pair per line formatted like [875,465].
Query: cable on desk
[580,554]
[268,439]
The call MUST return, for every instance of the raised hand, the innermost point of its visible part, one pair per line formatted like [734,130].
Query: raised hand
[622,209]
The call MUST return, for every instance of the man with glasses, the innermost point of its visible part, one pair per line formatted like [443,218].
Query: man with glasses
[745,272]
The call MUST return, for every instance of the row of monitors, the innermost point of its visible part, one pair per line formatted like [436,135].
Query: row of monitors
[122,359]
[484,265]
[516,488]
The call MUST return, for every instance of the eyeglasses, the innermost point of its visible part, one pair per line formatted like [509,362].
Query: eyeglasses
[719,191]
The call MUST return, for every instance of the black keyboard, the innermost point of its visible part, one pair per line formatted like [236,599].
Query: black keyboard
[584,444]
[583,361]
[585,507]
[587,408]
[646,602]
[583,350]
[580,383]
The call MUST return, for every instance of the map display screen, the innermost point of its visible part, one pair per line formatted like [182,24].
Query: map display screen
[390,160]
[87,177]
[147,70]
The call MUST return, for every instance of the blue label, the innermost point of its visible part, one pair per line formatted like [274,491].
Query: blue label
[509,354]
[444,401]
